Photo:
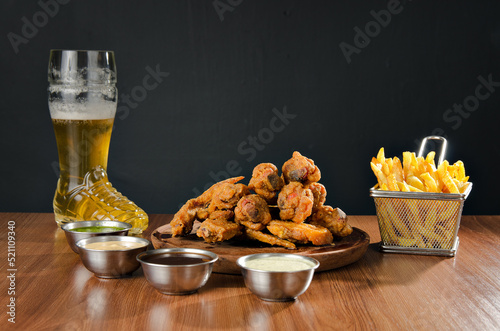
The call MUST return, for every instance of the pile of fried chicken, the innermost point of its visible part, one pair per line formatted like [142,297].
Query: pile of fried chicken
[229,209]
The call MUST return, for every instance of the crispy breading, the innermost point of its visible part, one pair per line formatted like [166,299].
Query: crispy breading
[202,213]
[182,223]
[225,214]
[251,225]
[301,232]
[300,169]
[206,196]
[334,220]
[266,181]
[219,227]
[252,211]
[319,193]
[227,196]
[269,239]
[295,202]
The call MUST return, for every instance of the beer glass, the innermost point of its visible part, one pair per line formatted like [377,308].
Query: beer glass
[82,103]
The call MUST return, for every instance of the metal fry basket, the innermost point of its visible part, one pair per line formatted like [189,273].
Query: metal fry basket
[419,222]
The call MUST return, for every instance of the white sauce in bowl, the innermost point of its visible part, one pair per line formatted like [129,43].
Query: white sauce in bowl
[113,245]
[278,264]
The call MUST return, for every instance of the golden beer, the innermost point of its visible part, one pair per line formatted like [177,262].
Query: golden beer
[83,190]
[82,102]
[82,145]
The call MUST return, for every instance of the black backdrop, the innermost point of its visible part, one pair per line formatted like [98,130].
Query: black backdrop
[243,82]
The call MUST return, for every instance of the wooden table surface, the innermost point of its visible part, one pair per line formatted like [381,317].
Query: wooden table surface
[382,291]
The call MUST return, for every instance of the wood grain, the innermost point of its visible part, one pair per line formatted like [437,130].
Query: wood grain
[381,291]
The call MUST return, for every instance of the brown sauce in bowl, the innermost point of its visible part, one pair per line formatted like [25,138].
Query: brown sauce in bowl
[173,258]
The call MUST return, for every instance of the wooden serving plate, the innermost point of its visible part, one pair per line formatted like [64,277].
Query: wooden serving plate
[343,252]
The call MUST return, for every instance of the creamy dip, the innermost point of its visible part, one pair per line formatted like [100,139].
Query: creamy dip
[278,264]
[114,245]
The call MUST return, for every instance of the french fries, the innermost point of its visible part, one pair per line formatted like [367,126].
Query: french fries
[418,174]
[420,223]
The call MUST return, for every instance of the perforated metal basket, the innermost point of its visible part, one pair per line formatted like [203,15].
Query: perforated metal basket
[419,222]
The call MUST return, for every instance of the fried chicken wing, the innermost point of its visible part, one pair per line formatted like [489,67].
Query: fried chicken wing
[182,223]
[300,169]
[266,181]
[252,211]
[295,202]
[335,220]
[207,195]
[269,239]
[319,192]
[301,232]
[227,196]
[202,212]
[219,227]
[224,214]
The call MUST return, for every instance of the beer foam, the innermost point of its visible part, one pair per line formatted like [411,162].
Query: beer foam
[78,111]
[67,105]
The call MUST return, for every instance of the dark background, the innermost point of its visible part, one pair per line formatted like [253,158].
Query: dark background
[229,70]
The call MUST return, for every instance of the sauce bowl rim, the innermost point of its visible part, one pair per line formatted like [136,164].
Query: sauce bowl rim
[214,257]
[67,227]
[80,243]
[241,262]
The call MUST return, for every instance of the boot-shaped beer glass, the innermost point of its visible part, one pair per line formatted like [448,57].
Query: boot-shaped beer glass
[82,102]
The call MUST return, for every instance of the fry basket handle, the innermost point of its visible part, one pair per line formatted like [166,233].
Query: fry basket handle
[443,147]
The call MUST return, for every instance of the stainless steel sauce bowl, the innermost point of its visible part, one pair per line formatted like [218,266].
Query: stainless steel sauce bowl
[111,263]
[277,285]
[72,237]
[177,279]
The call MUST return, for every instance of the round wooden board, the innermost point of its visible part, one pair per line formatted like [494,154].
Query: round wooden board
[344,251]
